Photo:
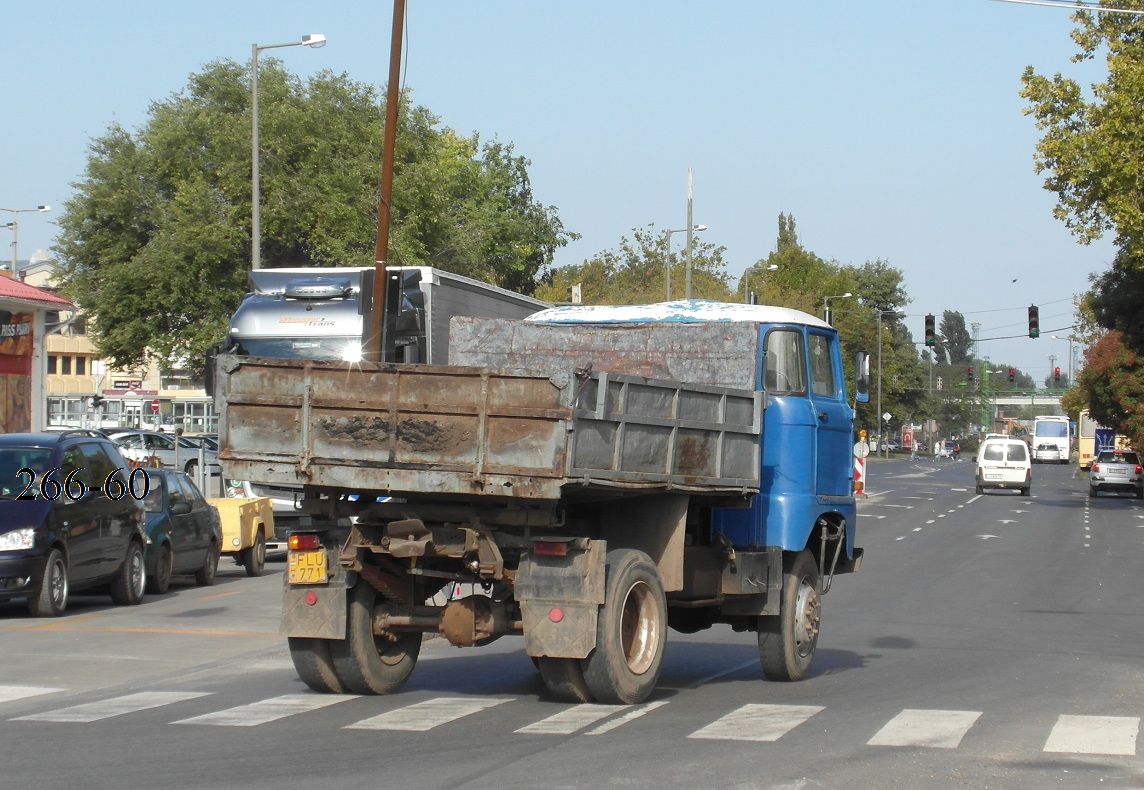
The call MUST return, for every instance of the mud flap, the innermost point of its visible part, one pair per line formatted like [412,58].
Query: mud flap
[325,618]
[560,600]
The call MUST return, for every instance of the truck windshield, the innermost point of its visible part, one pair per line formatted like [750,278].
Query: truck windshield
[347,349]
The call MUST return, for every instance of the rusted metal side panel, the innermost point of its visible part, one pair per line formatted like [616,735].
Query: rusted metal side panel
[444,429]
[724,354]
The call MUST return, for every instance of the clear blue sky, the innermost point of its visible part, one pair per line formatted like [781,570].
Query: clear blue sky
[890,129]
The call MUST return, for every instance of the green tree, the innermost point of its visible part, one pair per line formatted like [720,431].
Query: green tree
[156,241]
[1092,152]
[956,341]
[635,273]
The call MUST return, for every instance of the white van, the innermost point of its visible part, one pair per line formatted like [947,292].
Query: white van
[1004,463]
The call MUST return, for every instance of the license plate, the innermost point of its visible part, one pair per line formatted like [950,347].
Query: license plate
[992,477]
[306,567]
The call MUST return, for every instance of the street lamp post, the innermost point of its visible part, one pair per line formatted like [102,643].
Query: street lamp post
[881,427]
[746,279]
[667,255]
[826,306]
[14,226]
[314,41]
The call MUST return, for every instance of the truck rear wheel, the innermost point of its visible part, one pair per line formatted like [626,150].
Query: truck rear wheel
[787,641]
[564,679]
[631,631]
[367,663]
[314,664]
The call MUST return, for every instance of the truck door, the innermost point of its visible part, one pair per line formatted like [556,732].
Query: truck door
[834,418]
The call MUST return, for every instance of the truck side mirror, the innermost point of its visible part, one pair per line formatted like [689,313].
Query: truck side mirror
[862,377]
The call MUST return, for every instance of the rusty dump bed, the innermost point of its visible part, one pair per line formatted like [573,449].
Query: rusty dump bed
[479,431]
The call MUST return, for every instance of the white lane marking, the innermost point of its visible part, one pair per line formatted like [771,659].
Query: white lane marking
[938,729]
[426,715]
[757,723]
[11,693]
[642,710]
[116,706]
[975,498]
[902,537]
[917,529]
[869,515]
[986,537]
[266,710]
[931,521]
[571,719]
[1094,735]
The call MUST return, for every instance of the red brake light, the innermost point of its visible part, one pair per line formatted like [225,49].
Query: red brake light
[1095,466]
[304,541]
[1138,469]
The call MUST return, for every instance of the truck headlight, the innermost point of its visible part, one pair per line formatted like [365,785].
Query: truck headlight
[18,539]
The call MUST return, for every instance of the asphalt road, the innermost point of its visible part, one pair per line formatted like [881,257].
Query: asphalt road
[988,641]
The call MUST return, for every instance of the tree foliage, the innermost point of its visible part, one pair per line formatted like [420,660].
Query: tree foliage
[636,272]
[1113,380]
[156,240]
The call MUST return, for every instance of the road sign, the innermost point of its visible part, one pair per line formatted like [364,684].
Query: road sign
[155,405]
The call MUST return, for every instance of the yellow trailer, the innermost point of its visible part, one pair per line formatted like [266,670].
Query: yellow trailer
[247,523]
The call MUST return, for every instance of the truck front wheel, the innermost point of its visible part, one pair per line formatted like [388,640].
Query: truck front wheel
[631,631]
[314,664]
[787,641]
[368,663]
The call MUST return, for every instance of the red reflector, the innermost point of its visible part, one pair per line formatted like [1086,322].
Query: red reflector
[556,614]
[311,597]
[303,542]
[550,549]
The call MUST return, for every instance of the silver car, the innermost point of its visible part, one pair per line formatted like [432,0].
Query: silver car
[182,455]
[1116,471]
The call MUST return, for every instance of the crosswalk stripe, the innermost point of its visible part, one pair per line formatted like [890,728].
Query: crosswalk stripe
[938,729]
[424,716]
[11,693]
[117,706]
[631,715]
[1094,735]
[571,719]
[757,723]
[266,710]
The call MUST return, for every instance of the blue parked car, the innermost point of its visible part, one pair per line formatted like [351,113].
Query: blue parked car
[184,533]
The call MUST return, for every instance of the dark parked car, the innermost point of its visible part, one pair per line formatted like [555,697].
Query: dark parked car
[69,520]
[184,534]
[1116,470]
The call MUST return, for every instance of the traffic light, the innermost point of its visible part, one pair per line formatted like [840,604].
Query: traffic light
[1057,376]
[98,399]
[1034,321]
[1013,375]
[969,376]
[931,332]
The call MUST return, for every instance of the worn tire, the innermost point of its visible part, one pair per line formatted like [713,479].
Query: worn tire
[1091,492]
[788,640]
[564,679]
[51,598]
[130,583]
[160,581]
[1025,491]
[369,664]
[631,631]
[314,664]
[254,558]
[190,469]
[205,576]
[981,489]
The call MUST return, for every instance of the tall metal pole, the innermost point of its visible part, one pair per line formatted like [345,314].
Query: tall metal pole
[255,175]
[690,235]
[375,346]
[313,40]
[878,416]
[667,265]
[14,226]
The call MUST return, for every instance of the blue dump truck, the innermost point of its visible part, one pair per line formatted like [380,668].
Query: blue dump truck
[599,475]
